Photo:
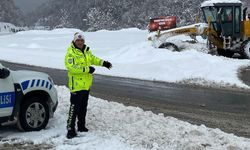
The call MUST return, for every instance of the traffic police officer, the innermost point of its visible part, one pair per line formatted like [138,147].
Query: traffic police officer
[78,61]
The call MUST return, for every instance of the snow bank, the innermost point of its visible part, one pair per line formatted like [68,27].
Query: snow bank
[131,54]
[114,126]
[212,2]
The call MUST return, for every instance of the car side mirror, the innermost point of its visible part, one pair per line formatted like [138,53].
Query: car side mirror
[4,73]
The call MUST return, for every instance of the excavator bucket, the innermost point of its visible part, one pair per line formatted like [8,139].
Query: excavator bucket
[162,23]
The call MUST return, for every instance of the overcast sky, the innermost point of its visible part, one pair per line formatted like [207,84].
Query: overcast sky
[28,5]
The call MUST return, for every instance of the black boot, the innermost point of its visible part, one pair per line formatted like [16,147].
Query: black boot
[82,129]
[71,134]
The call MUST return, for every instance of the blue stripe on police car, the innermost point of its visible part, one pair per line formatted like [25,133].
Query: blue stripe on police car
[7,99]
[35,83]
[25,84]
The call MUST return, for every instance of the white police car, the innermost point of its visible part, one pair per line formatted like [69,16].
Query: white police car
[27,98]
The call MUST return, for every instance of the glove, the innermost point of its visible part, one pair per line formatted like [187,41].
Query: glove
[107,64]
[91,69]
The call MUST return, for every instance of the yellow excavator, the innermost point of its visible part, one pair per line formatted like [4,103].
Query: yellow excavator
[226,27]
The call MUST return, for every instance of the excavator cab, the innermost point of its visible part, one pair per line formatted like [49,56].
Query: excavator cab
[227,29]
[225,18]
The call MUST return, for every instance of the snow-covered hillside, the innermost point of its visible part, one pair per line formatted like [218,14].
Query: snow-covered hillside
[131,54]
[116,127]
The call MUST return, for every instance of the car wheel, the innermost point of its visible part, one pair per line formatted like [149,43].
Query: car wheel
[245,49]
[170,46]
[34,114]
[226,53]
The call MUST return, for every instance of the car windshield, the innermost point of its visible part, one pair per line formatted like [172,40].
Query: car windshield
[210,12]
[227,14]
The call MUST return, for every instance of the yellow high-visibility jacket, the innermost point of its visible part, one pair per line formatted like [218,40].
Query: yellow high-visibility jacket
[77,63]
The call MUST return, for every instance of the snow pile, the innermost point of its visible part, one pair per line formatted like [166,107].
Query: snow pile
[212,2]
[130,53]
[114,126]
[6,28]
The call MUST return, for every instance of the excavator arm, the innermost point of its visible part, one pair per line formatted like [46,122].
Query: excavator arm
[159,37]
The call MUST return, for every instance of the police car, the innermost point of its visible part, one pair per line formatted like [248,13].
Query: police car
[27,98]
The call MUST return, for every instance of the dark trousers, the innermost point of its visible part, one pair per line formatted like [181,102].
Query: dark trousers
[78,108]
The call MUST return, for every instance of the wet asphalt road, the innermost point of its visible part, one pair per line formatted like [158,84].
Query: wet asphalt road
[227,109]
[244,75]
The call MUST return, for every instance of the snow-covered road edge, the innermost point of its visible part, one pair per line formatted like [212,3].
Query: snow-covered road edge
[115,126]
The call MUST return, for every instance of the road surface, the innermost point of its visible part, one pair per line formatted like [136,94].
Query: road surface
[226,109]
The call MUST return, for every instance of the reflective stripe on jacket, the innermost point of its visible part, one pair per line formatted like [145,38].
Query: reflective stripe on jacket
[77,63]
